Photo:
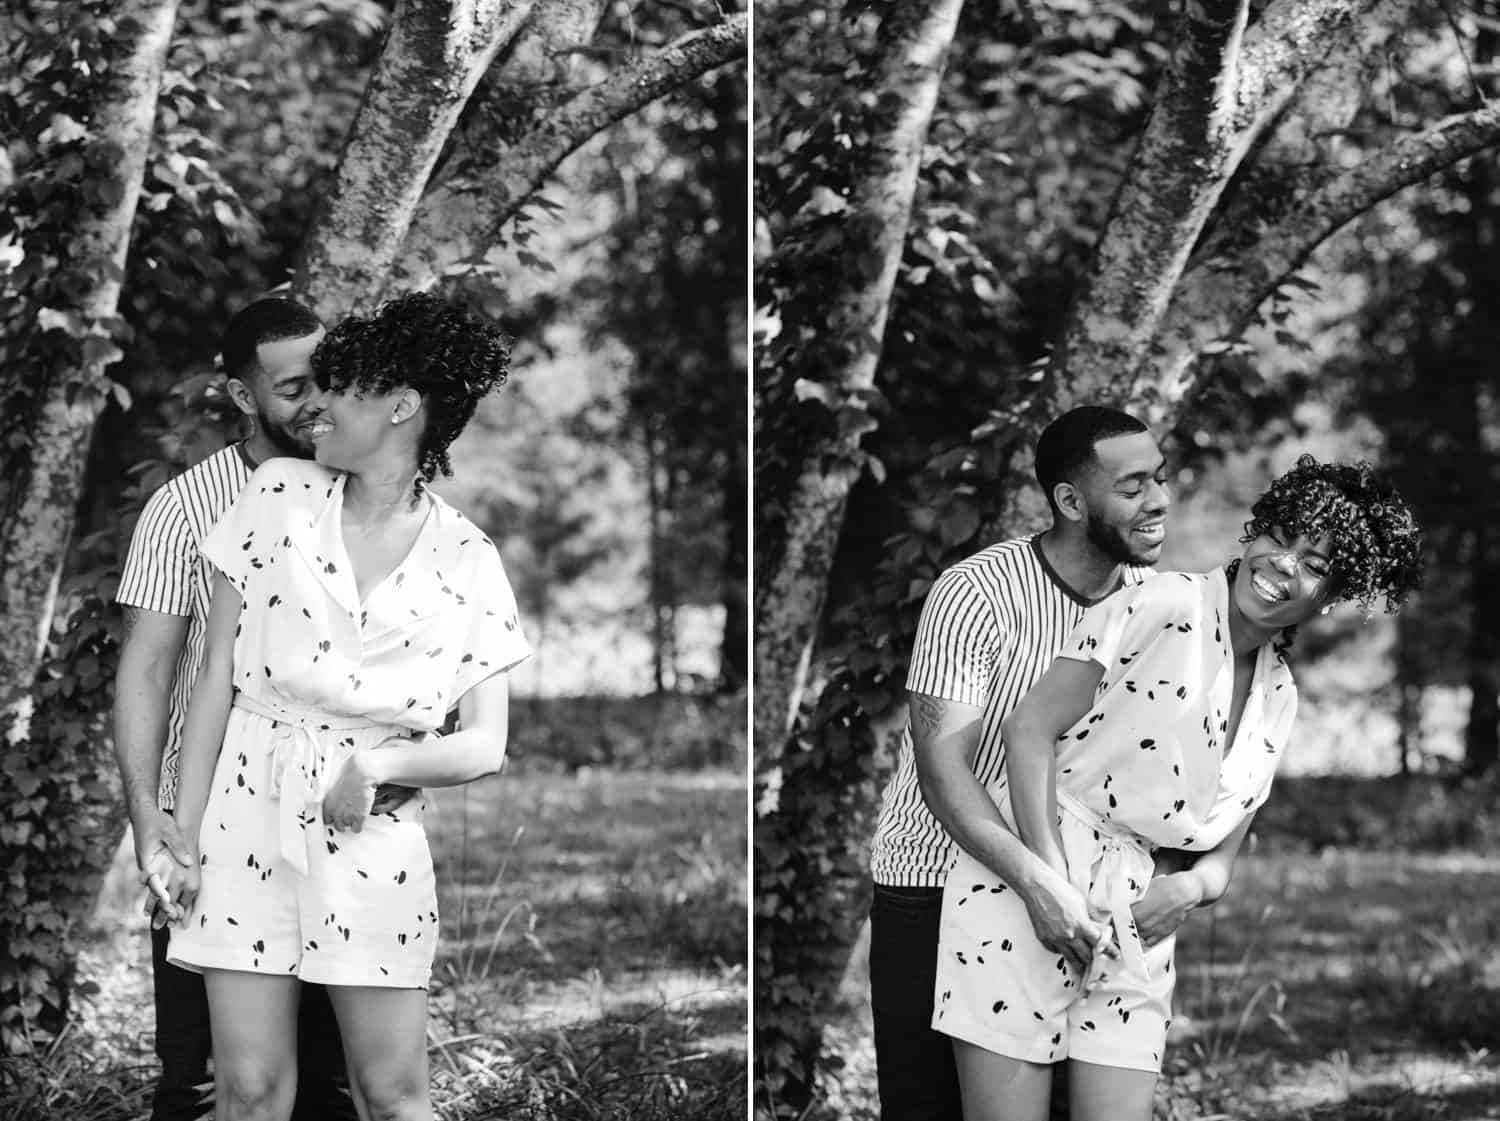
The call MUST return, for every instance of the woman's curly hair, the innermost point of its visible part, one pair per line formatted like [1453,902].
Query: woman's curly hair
[1376,544]
[439,348]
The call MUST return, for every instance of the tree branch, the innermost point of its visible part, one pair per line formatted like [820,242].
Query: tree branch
[1219,297]
[541,149]
[1291,39]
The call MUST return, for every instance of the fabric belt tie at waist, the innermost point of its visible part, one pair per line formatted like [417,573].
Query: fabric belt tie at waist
[300,777]
[1122,856]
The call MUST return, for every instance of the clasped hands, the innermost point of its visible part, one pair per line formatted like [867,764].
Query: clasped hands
[1065,925]
[169,860]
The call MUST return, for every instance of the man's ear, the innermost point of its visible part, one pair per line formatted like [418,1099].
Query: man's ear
[240,394]
[1069,501]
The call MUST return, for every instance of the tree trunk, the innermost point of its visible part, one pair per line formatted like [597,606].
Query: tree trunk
[60,821]
[733,205]
[790,592]
[36,520]
[434,55]
[1482,734]
[1181,166]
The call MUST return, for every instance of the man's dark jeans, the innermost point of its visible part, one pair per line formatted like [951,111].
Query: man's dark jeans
[914,1064]
[184,1091]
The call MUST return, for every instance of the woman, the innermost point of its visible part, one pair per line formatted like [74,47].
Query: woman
[353,609]
[1159,727]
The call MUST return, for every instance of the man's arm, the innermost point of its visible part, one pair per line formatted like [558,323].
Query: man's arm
[143,683]
[945,738]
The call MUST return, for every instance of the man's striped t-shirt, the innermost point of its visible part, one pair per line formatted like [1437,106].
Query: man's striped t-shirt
[990,627]
[165,572]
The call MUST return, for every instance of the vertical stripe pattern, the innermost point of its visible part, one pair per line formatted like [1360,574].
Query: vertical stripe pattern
[990,628]
[164,572]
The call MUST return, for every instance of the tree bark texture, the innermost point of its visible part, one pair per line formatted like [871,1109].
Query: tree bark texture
[790,594]
[462,218]
[434,55]
[36,521]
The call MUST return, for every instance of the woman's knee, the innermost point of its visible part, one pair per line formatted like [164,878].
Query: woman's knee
[394,1094]
[255,1093]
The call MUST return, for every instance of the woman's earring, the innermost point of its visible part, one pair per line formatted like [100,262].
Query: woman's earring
[395,419]
[1327,607]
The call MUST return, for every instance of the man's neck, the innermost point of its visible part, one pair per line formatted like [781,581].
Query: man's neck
[1079,564]
[259,448]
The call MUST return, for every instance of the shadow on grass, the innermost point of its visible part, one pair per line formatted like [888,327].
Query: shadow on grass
[643,1062]
[1398,1103]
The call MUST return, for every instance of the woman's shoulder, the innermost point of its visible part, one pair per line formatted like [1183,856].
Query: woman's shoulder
[280,473]
[1170,593]
[461,538]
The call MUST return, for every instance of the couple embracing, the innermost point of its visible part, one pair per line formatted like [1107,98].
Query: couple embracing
[302,616]
[1087,745]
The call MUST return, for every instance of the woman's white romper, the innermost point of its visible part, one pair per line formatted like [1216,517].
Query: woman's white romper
[1146,767]
[318,674]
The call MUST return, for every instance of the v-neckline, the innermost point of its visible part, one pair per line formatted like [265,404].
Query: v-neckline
[362,602]
[1228,746]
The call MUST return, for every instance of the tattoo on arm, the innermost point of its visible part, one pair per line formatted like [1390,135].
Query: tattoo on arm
[927,715]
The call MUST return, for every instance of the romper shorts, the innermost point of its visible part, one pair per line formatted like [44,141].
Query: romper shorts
[1000,989]
[286,895]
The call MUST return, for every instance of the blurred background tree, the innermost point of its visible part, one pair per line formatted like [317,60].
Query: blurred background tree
[167,162]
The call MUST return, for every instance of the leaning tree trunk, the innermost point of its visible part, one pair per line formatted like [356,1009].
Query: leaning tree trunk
[50,834]
[433,58]
[434,55]
[791,590]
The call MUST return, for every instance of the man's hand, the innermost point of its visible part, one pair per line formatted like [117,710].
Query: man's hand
[1165,905]
[1060,916]
[349,800]
[390,796]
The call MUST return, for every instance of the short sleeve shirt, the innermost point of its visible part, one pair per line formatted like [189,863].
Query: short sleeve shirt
[443,620]
[1151,754]
[990,627]
[165,572]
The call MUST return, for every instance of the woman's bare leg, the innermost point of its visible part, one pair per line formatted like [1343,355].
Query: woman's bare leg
[1101,1093]
[253,1021]
[999,1088]
[385,1042]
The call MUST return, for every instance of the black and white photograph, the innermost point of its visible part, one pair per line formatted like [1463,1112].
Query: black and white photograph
[374,648]
[1125,673]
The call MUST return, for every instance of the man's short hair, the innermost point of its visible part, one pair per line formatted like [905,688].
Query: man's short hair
[1066,446]
[266,320]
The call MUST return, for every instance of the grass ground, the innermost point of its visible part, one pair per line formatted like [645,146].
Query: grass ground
[592,965]
[1342,986]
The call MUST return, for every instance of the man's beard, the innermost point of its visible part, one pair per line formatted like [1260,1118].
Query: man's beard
[1115,543]
[283,441]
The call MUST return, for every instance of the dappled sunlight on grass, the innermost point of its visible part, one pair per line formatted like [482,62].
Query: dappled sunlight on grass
[592,967]
[1345,986]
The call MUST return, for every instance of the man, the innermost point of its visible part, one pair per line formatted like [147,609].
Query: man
[990,627]
[164,592]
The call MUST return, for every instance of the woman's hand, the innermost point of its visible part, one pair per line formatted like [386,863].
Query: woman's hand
[348,801]
[172,883]
[1165,905]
